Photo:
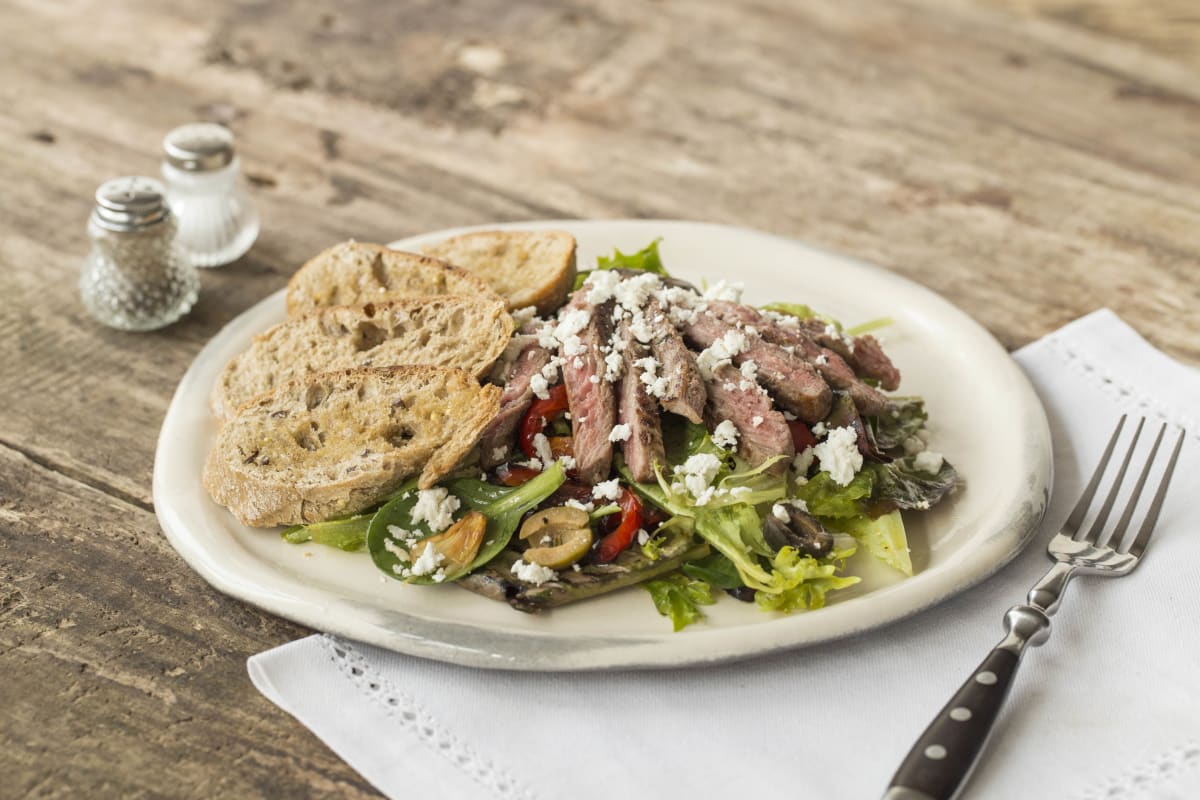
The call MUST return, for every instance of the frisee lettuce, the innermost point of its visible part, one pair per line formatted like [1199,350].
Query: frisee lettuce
[678,597]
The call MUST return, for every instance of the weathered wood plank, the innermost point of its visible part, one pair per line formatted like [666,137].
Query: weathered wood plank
[114,653]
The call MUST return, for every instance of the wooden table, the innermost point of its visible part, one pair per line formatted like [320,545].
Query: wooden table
[1031,161]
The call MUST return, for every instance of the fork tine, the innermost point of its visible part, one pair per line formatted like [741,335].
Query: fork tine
[1139,544]
[1123,524]
[1097,530]
[1073,522]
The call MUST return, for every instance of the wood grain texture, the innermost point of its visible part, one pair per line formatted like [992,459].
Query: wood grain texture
[1029,161]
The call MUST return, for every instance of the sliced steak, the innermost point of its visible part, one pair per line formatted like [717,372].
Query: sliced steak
[684,393]
[831,366]
[637,409]
[592,399]
[496,441]
[863,353]
[763,433]
[793,383]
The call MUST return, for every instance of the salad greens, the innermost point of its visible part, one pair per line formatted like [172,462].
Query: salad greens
[644,260]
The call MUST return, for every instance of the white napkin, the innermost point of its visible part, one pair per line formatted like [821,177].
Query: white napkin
[1109,707]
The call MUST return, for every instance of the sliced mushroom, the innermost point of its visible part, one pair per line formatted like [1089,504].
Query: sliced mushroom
[802,531]
[558,537]
[458,544]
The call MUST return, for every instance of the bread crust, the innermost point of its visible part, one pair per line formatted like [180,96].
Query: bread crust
[285,460]
[352,273]
[446,330]
[527,268]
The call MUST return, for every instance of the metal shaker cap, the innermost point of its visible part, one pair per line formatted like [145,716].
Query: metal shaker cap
[199,147]
[130,203]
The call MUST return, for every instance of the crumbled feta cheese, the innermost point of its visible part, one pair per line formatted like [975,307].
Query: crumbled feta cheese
[725,435]
[656,385]
[568,462]
[749,369]
[913,445]
[821,360]
[789,416]
[395,549]
[540,386]
[435,507]
[721,351]
[780,512]
[607,490]
[532,573]
[928,461]
[619,433]
[642,536]
[798,503]
[402,534]
[803,461]
[593,378]
[756,420]
[612,367]
[577,362]
[818,430]
[499,454]
[533,463]
[839,455]
[571,502]
[723,290]
[523,315]
[601,285]
[428,561]
[633,292]
[541,446]
[698,473]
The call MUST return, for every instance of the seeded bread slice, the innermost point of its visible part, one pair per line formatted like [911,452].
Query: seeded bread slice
[449,331]
[527,268]
[353,273]
[337,443]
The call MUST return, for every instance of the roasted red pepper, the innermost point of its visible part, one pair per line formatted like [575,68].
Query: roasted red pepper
[616,542]
[802,436]
[538,415]
[510,475]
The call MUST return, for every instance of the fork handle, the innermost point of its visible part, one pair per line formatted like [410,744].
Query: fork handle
[941,760]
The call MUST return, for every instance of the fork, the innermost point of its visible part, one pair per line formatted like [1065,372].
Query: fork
[941,760]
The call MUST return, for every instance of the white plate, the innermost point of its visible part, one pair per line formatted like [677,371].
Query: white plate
[984,417]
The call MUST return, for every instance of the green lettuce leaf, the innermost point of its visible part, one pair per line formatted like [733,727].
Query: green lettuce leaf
[827,498]
[678,597]
[807,581]
[644,260]
[347,534]
[801,311]
[883,537]
[716,570]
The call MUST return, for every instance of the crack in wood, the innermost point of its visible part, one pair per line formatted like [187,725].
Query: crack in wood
[79,476]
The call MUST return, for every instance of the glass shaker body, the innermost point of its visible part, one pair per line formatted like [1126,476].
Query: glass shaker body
[217,220]
[135,278]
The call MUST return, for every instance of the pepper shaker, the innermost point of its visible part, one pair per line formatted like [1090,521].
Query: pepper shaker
[135,277]
[217,220]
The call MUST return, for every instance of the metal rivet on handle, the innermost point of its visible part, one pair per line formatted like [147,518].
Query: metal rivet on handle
[987,678]
[960,714]
[935,752]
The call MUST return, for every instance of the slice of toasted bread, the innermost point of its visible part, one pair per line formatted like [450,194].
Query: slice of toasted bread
[353,273]
[527,268]
[336,443]
[448,331]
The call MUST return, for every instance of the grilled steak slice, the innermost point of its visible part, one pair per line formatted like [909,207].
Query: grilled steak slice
[863,353]
[495,443]
[832,367]
[684,394]
[762,431]
[591,398]
[793,383]
[637,409]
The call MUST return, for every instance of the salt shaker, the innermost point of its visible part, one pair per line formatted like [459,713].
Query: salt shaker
[135,277]
[217,221]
